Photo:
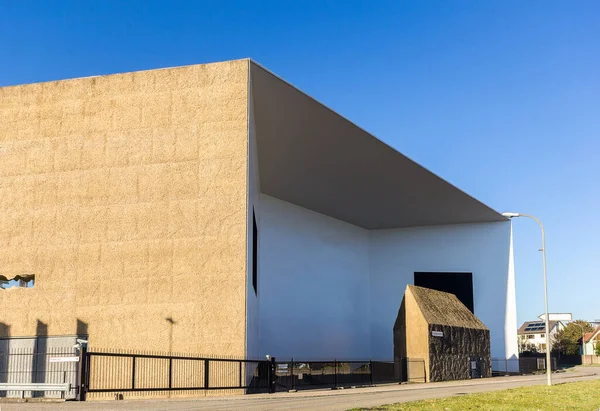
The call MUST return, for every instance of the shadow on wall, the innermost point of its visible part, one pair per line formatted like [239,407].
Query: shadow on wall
[82,329]
[172,323]
[4,349]
[40,351]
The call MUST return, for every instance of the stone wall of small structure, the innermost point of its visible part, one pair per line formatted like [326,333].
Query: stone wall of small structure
[450,355]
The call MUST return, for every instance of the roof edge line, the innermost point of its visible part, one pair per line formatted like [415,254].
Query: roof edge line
[125,72]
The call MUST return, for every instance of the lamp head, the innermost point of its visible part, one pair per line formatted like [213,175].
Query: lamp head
[510,215]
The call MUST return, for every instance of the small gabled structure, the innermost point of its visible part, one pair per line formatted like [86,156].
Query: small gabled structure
[438,328]
[591,341]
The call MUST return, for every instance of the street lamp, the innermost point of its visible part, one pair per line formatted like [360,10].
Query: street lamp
[546,316]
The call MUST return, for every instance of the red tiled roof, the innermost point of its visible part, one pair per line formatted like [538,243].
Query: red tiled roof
[587,337]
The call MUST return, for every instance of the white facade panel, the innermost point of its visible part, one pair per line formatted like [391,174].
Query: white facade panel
[329,289]
[481,249]
[511,351]
[314,286]
[253,207]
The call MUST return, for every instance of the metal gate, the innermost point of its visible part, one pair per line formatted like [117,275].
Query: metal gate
[113,372]
[43,366]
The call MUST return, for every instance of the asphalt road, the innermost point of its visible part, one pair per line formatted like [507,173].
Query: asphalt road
[325,400]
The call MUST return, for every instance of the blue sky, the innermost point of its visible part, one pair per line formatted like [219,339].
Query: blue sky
[501,98]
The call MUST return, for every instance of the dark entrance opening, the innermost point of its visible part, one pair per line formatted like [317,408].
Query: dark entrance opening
[476,367]
[459,284]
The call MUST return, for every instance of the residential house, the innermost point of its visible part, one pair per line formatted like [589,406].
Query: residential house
[591,341]
[532,334]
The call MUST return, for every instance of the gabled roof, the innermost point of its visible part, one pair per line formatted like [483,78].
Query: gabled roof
[444,309]
[536,327]
[594,335]
[312,157]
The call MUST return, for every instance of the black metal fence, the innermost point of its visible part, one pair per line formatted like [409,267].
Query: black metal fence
[126,372]
[116,372]
[505,366]
[529,365]
[120,372]
[294,375]
[521,365]
[27,365]
[299,375]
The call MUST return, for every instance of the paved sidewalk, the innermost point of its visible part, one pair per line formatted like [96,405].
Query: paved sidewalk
[326,400]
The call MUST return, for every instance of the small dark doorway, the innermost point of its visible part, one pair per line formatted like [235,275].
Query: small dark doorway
[476,367]
[459,284]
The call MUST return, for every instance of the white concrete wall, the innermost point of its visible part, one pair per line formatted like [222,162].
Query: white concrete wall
[510,324]
[395,255]
[314,286]
[329,289]
[253,193]
[511,351]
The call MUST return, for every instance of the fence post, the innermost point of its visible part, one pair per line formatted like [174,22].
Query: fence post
[83,377]
[336,374]
[206,372]
[133,373]
[88,372]
[371,371]
[272,375]
[293,379]
[171,373]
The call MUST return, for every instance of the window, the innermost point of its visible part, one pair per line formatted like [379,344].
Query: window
[19,281]
[531,336]
[254,254]
[542,335]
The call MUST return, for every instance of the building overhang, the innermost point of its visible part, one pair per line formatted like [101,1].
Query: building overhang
[310,156]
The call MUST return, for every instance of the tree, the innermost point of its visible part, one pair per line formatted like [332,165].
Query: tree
[525,347]
[598,349]
[567,340]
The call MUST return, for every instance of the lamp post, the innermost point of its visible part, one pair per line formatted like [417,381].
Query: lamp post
[546,316]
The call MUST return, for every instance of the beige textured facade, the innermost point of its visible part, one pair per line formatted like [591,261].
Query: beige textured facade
[411,339]
[126,196]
